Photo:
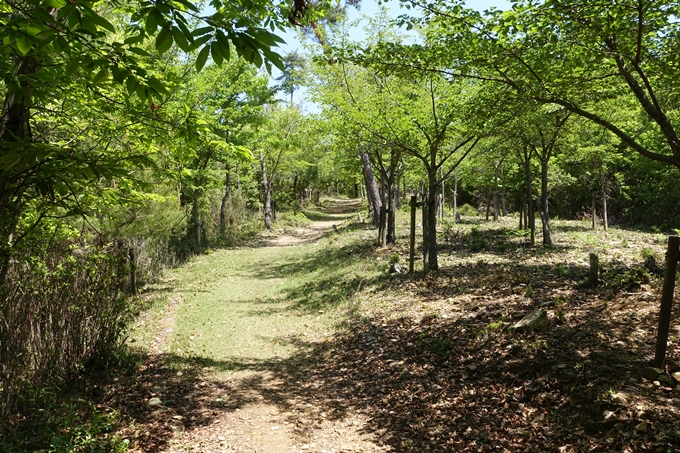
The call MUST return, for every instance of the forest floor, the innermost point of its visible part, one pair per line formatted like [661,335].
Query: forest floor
[302,341]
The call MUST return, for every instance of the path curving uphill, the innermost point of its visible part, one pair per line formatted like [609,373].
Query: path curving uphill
[226,366]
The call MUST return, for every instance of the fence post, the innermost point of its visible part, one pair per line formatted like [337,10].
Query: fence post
[672,256]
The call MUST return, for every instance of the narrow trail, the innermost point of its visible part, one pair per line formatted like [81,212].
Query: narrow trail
[232,336]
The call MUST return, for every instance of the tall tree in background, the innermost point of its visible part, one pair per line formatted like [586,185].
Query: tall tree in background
[293,74]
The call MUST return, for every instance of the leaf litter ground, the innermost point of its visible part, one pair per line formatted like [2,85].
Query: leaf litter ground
[315,347]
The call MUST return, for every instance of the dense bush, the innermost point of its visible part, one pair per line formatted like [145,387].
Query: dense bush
[59,309]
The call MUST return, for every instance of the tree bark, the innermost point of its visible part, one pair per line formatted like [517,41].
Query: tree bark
[266,193]
[545,215]
[495,193]
[603,189]
[197,222]
[431,204]
[530,220]
[504,194]
[594,214]
[225,199]
[371,189]
[455,195]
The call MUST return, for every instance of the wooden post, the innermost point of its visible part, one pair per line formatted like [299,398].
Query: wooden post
[133,273]
[672,256]
[594,276]
[412,239]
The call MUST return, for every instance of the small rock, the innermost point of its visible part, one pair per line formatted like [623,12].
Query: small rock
[535,321]
[547,303]
[154,402]
[652,373]
[620,398]
[472,368]
[676,377]
[396,268]
[642,427]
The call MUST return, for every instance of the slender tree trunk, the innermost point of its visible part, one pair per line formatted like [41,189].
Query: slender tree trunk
[433,263]
[441,196]
[504,195]
[238,179]
[426,236]
[603,189]
[594,213]
[223,206]
[267,193]
[488,206]
[197,222]
[455,195]
[530,220]
[372,191]
[295,187]
[392,196]
[545,216]
[521,213]
[495,193]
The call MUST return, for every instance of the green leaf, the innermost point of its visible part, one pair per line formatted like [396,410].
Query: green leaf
[164,40]
[151,22]
[139,51]
[101,22]
[217,56]
[131,84]
[54,4]
[72,67]
[180,39]
[202,31]
[202,57]
[101,75]
[198,42]
[23,44]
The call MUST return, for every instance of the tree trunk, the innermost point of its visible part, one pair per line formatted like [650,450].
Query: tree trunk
[530,220]
[426,237]
[521,213]
[504,194]
[392,197]
[197,223]
[545,216]
[295,187]
[223,206]
[371,189]
[603,189]
[495,193]
[594,214]
[441,196]
[488,206]
[238,179]
[455,195]
[266,193]
[433,263]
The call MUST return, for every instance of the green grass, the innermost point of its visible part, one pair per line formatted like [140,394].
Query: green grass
[245,306]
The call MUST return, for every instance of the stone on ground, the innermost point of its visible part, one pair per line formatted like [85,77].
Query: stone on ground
[535,321]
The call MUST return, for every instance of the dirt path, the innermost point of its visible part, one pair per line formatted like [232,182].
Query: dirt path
[335,212]
[228,381]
